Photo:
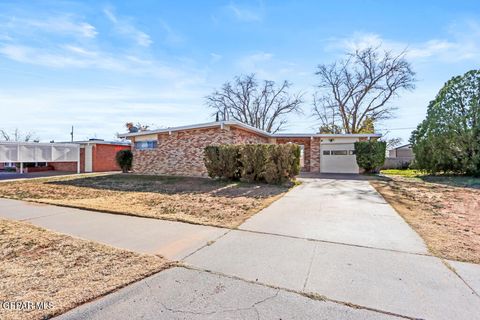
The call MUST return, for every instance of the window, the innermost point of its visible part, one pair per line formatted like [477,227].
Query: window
[351,152]
[326,152]
[145,145]
[339,152]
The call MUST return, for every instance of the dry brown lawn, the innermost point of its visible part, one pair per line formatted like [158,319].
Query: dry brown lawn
[193,200]
[37,265]
[447,217]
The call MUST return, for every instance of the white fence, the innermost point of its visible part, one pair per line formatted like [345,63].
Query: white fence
[21,152]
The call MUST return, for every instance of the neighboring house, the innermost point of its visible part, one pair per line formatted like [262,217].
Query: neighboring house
[404,151]
[180,150]
[6,165]
[399,157]
[96,155]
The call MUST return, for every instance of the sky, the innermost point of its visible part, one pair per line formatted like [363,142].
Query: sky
[96,65]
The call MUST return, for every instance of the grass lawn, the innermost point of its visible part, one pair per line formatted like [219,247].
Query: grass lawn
[444,210]
[194,200]
[37,265]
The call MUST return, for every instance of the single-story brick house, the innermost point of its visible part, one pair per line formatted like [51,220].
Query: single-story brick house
[179,150]
[96,155]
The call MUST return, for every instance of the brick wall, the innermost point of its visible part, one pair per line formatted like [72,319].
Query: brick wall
[103,157]
[181,153]
[315,155]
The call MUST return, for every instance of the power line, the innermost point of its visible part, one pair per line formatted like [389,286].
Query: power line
[389,129]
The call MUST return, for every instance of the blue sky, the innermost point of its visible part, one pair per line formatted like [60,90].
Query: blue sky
[97,65]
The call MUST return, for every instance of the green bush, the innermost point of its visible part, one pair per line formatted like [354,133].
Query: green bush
[223,161]
[124,160]
[370,154]
[268,163]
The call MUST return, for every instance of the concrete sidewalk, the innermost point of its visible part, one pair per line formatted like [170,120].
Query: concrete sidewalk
[181,293]
[173,240]
[330,238]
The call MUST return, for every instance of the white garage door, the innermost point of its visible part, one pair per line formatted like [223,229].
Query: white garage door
[338,158]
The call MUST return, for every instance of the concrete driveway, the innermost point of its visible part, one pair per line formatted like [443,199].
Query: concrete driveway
[340,239]
[334,240]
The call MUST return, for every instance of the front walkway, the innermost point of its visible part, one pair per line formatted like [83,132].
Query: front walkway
[334,239]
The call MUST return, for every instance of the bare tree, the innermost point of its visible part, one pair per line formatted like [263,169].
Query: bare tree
[393,142]
[328,115]
[262,105]
[16,135]
[361,86]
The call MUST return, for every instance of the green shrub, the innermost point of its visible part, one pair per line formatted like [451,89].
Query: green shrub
[223,161]
[268,163]
[124,160]
[370,154]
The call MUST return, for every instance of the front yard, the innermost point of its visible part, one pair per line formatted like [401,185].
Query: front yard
[444,210]
[194,200]
[40,266]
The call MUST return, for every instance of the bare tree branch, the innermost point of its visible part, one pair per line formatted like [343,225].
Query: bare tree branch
[16,136]
[262,105]
[362,86]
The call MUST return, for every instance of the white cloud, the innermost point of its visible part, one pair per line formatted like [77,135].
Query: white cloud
[252,62]
[459,44]
[62,24]
[126,28]
[80,50]
[70,56]
[215,57]
[97,110]
[243,13]
[170,35]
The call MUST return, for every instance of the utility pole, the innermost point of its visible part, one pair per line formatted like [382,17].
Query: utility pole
[71,133]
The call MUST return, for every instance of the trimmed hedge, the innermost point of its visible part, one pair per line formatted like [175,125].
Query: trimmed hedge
[270,163]
[370,154]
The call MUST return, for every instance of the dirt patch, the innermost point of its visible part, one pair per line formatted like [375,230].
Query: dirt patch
[446,217]
[194,200]
[37,266]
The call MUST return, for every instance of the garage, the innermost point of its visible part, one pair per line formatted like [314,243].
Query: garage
[338,158]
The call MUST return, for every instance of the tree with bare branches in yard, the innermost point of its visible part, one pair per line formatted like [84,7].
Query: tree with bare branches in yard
[356,92]
[263,105]
[16,135]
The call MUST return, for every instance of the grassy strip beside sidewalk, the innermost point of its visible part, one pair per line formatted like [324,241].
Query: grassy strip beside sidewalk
[37,265]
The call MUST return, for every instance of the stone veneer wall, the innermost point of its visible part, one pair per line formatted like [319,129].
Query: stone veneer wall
[181,152]
[315,155]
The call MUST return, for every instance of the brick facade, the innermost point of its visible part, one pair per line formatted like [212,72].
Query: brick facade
[181,152]
[315,155]
[103,159]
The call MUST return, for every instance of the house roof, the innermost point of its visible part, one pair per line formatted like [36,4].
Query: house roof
[101,141]
[408,145]
[245,127]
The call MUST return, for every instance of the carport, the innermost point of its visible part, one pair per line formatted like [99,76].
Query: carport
[23,152]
